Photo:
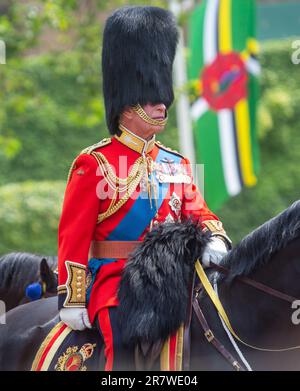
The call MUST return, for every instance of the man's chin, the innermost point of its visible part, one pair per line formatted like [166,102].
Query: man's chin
[158,129]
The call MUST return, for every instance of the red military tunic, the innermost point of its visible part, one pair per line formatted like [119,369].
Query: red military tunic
[86,202]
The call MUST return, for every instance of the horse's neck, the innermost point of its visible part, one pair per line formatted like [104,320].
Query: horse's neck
[259,319]
[253,312]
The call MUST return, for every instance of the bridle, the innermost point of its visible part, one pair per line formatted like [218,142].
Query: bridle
[258,285]
[205,283]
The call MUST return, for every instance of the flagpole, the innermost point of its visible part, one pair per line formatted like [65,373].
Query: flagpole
[184,121]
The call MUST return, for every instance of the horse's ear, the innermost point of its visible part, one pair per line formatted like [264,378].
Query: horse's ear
[47,275]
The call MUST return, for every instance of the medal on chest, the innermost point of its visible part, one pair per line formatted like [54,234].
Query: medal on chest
[167,171]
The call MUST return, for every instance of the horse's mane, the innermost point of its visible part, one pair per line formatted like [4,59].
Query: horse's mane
[19,268]
[256,249]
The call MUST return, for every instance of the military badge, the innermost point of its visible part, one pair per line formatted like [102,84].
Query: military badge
[169,172]
[175,203]
[73,360]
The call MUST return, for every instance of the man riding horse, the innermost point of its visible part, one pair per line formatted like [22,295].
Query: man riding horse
[121,187]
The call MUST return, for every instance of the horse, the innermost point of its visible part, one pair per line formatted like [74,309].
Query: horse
[269,255]
[19,271]
[265,323]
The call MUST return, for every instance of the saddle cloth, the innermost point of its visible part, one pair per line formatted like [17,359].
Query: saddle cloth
[65,349]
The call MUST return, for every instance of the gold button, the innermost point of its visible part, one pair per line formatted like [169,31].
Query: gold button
[78,296]
[79,290]
[79,284]
[79,278]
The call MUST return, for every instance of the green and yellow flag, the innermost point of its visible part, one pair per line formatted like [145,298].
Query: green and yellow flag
[224,68]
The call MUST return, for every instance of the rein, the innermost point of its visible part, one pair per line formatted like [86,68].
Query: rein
[258,285]
[217,303]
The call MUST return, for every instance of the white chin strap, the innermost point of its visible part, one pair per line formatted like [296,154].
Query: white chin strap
[145,117]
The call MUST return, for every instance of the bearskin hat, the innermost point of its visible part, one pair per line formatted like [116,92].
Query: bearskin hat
[139,45]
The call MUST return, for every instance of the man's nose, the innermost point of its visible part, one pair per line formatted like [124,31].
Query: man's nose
[161,107]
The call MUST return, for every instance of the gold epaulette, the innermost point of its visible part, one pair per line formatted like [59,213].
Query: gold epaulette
[101,143]
[160,145]
[88,150]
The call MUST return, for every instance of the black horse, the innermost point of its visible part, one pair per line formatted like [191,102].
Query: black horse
[269,255]
[19,270]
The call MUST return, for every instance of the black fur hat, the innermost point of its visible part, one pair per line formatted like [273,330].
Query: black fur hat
[139,45]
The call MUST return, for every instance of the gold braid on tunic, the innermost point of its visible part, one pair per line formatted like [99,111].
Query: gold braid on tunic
[120,185]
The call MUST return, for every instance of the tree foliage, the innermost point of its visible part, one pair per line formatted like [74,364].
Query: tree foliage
[29,214]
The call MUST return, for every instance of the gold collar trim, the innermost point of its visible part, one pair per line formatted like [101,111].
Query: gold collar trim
[135,142]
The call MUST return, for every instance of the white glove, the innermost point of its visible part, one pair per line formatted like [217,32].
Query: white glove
[214,251]
[75,318]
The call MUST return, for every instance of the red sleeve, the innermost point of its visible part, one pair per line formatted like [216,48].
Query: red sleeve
[194,204]
[76,227]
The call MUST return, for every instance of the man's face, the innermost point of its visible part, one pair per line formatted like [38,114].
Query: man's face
[136,123]
[157,111]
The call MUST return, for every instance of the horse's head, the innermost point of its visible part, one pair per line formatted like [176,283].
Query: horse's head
[268,258]
[49,278]
[47,284]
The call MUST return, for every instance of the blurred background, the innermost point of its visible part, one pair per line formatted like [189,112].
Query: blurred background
[52,107]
